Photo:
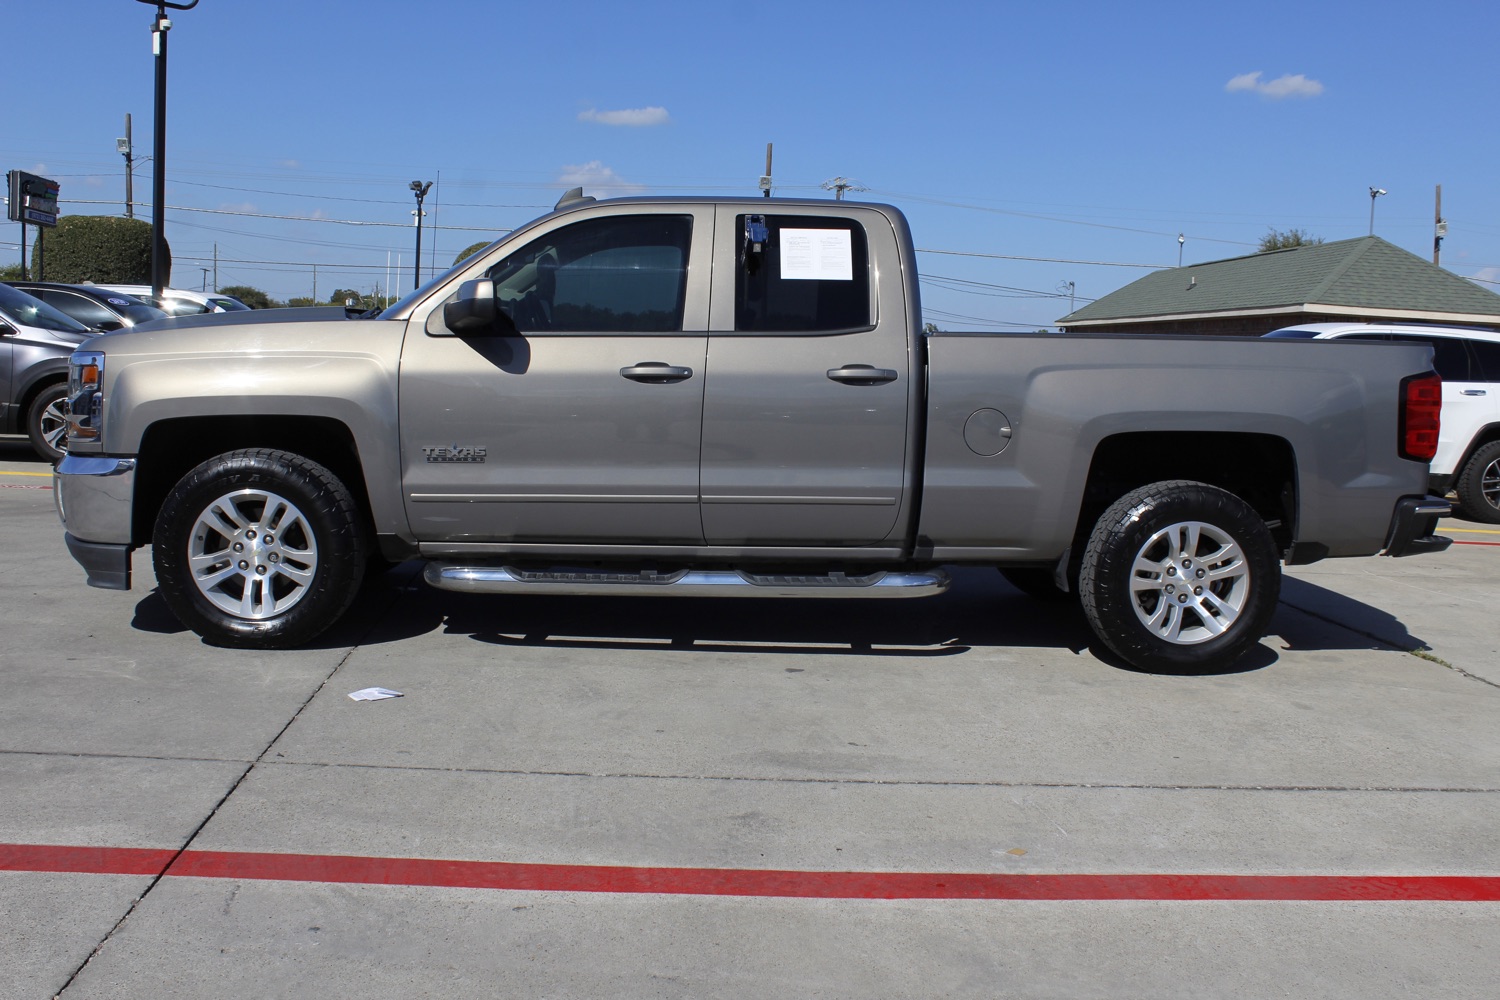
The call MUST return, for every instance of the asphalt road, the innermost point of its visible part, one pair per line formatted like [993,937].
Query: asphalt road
[957,796]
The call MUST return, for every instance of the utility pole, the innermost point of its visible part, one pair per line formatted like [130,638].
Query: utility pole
[841,184]
[1439,225]
[765,178]
[1072,289]
[123,146]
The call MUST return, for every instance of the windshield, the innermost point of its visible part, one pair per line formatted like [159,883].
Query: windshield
[138,312]
[24,310]
[228,304]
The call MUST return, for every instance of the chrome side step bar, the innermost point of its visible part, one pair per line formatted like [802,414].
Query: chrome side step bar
[486,579]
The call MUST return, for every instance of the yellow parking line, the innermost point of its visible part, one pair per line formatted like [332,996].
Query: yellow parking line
[44,475]
[1473,531]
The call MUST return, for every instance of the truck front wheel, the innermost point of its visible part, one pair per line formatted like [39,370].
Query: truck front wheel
[1180,577]
[259,549]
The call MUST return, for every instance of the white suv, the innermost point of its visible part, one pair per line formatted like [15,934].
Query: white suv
[1468,360]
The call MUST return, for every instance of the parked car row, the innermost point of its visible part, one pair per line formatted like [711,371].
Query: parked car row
[41,323]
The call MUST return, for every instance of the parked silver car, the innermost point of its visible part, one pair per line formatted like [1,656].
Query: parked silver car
[35,341]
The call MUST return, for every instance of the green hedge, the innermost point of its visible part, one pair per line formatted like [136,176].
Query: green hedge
[103,249]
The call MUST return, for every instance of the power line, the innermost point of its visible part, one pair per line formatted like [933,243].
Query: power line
[293,218]
[1042,260]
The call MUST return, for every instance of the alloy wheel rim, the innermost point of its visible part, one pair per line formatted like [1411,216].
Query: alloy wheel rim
[1189,583]
[54,425]
[252,554]
[1489,484]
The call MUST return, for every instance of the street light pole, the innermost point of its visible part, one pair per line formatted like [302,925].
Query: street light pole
[159,29]
[1375,192]
[420,190]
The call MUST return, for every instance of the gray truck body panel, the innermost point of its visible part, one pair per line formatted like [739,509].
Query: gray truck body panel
[558,444]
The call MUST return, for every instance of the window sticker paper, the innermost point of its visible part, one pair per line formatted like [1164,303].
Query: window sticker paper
[817,255]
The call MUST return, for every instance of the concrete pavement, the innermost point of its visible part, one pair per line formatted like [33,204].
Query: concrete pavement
[973,733]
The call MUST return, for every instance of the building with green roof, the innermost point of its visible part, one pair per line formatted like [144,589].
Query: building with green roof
[1354,280]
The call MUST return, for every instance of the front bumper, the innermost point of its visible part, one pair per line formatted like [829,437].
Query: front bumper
[1414,526]
[94,497]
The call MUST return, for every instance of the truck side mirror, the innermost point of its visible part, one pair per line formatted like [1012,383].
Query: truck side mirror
[476,312]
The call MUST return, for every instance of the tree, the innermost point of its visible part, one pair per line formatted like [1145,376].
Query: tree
[252,297]
[466,251]
[346,296]
[100,248]
[1276,239]
[10,272]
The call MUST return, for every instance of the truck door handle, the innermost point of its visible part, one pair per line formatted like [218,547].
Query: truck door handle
[862,375]
[1473,392]
[656,372]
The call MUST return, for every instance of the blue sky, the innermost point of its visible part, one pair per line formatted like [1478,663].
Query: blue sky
[1068,142]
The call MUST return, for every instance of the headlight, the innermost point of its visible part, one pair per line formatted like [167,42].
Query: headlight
[85,395]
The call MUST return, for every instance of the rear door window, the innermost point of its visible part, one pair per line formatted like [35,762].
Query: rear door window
[801,273]
[1487,358]
[1450,356]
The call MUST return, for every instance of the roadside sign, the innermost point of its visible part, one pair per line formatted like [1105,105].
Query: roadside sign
[33,199]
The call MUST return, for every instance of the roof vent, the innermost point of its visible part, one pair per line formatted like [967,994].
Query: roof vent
[572,196]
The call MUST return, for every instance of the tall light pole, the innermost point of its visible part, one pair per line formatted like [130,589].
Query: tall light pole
[1181,242]
[159,29]
[420,190]
[1375,192]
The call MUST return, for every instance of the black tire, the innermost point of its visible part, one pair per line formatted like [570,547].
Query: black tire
[1478,485]
[259,549]
[1135,563]
[47,422]
[1036,583]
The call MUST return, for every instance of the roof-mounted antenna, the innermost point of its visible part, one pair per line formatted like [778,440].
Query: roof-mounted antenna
[572,196]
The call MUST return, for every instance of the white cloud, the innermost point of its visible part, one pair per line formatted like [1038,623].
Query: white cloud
[242,208]
[291,164]
[631,117]
[595,176]
[1290,85]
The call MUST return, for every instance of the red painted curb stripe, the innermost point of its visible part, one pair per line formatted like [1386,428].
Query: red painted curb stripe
[88,860]
[748,882]
[1458,541]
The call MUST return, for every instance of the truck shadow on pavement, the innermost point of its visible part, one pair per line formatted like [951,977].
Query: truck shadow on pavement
[981,610]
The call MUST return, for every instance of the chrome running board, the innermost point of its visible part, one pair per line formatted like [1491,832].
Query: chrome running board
[483,579]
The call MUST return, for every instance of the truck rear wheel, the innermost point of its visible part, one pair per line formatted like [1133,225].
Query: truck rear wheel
[1180,577]
[1478,485]
[259,549]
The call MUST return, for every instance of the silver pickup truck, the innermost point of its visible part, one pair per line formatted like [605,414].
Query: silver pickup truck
[732,397]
